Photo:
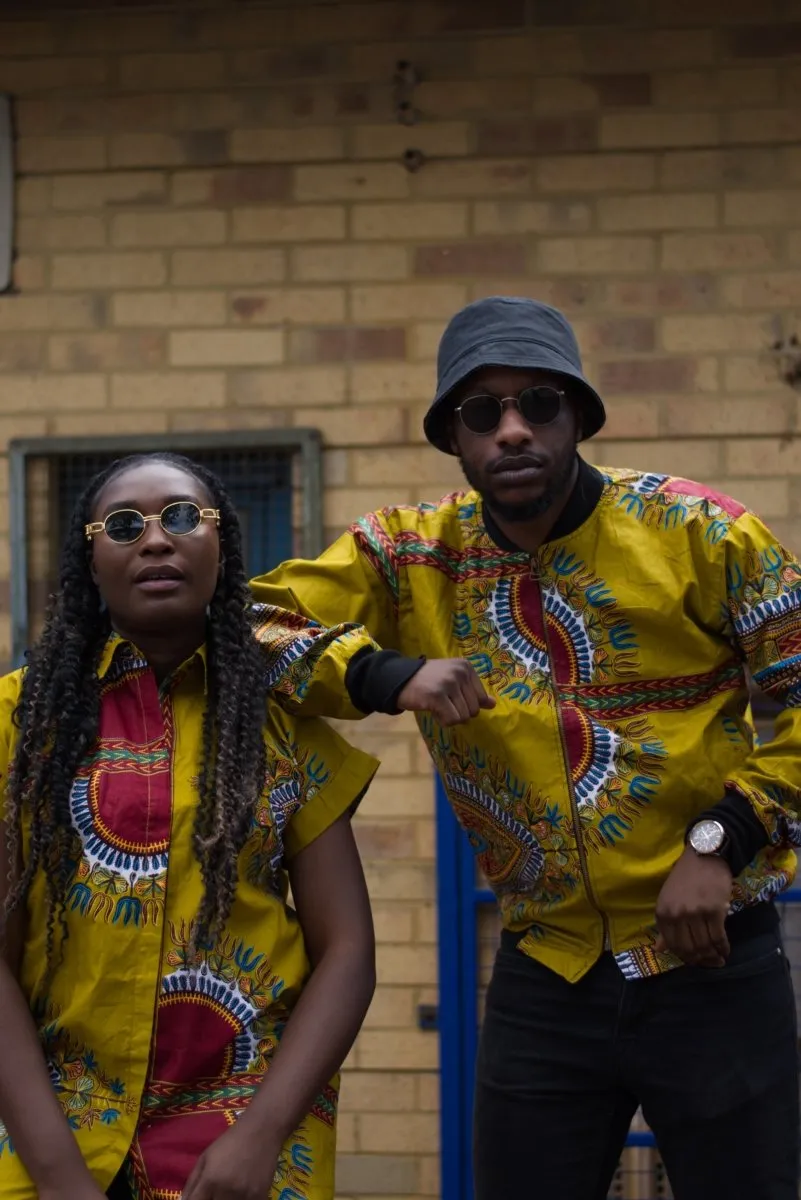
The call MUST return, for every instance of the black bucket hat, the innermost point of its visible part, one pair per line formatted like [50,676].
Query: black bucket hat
[508,331]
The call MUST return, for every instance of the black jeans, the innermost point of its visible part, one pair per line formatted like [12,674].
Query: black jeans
[711,1055]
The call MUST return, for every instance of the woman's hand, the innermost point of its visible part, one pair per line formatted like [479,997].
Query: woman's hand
[240,1165]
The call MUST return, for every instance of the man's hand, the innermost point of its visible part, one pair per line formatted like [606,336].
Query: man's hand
[449,689]
[692,908]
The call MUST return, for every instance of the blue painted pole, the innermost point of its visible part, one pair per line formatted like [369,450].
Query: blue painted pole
[450,920]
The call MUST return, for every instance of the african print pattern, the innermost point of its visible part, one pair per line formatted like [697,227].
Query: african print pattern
[483,560]
[644,961]
[231,984]
[121,876]
[674,694]
[665,502]
[295,1170]
[88,1096]
[294,647]
[764,603]
[379,549]
[511,828]
[564,622]
[294,776]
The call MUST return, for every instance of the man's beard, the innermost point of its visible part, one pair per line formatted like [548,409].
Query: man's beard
[526,510]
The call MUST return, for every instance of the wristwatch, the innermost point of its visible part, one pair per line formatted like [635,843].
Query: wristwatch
[708,837]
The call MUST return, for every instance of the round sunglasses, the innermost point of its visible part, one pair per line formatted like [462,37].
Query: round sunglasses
[127,525]
[482,414]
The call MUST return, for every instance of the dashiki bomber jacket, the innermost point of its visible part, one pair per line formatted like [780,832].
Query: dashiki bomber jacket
[617,656]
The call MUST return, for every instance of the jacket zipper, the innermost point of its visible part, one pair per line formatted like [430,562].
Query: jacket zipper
[534,574]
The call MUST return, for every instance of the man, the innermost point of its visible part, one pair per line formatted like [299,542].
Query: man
[575,641]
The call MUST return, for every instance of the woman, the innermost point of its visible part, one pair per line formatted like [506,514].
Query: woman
[157,804]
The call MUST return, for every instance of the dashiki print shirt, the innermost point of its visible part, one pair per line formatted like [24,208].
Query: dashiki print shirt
[617,656]
[153,1054]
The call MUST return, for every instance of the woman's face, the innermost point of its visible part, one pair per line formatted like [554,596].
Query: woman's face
[162,581]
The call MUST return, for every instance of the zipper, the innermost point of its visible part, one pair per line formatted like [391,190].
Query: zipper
[535,575]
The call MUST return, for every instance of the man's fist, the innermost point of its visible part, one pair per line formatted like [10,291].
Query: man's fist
[449,689]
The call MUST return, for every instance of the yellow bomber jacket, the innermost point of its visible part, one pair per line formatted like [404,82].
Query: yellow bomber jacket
[617,657]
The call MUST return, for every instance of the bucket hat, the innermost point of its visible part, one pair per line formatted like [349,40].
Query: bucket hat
[508,331]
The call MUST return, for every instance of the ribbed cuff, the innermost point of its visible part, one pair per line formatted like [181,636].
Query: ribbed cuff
[375,679]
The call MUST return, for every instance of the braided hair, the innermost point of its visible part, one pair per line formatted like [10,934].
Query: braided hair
[59,708]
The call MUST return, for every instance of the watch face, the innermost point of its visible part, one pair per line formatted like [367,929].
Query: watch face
[707,837]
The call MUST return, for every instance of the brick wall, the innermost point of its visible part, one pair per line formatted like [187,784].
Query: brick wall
[216,231]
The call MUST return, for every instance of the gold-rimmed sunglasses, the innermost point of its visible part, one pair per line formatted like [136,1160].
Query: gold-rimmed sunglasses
[127,525]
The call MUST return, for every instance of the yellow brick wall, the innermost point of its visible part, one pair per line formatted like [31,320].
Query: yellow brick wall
[216,231]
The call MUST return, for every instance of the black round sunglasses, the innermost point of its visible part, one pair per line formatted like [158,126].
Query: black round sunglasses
[483,413]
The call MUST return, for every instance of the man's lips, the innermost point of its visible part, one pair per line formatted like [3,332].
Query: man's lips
[518,469]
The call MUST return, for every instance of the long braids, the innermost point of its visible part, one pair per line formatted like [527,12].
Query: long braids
[58,718]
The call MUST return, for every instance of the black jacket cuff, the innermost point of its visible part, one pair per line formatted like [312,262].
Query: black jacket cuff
[746,833]
[375,678]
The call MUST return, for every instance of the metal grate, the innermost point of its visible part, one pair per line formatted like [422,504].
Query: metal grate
[274,485]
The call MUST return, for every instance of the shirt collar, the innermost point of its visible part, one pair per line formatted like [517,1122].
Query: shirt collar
[118,648]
